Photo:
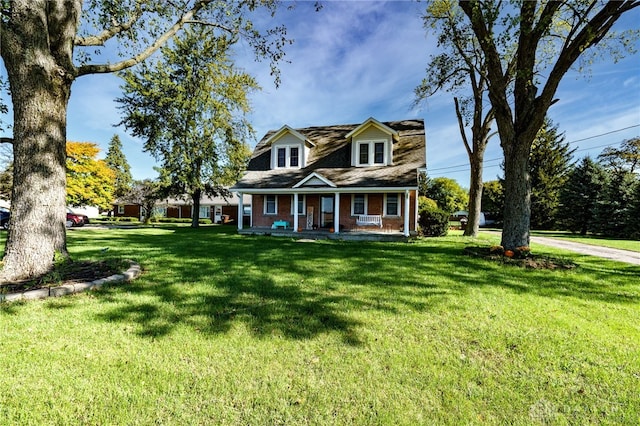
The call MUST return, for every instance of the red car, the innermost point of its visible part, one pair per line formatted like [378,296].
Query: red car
[74,219]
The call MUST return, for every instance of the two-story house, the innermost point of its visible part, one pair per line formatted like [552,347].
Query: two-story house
[337,178]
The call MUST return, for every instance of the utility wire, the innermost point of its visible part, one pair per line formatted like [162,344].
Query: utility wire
[466,166]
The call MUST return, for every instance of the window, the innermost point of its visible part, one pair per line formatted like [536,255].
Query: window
[301,204]
[378,154]
[285,156]
[121,209]
[364,153]
[369,153]
[204,212]
[270,204]
[293,157]
[391,205]
[282,157]
[358,204]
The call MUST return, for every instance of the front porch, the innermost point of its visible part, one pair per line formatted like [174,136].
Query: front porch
[359,234]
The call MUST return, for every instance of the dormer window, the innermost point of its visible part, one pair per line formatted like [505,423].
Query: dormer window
[371,153]
[287,156]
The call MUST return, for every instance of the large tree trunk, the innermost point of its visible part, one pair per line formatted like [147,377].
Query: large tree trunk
[38,208]
[517,195]
[37,50]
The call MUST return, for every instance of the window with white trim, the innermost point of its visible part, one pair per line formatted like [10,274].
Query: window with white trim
[287,156]
[301,204]
[270,204]
[358,204]
[120,209]
[371,153]
[392,205]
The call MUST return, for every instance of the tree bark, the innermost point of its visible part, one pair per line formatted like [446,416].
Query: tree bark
[517,194]
[38,64]
[195,214]
[475,194]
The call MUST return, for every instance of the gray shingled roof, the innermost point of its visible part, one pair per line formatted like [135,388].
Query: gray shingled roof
[331,158]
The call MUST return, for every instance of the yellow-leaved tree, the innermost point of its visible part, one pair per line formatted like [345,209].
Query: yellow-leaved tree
[90,182]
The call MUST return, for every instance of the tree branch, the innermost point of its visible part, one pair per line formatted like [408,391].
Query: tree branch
[127,63]
[100,39]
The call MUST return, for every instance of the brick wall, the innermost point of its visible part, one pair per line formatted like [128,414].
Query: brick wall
[375,205]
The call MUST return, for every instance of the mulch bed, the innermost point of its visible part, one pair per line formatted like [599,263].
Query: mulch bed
[71,272]
[530,261]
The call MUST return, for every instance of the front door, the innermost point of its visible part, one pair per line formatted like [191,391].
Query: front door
[326,211]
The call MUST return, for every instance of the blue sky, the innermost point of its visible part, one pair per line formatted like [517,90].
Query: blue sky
[353,60]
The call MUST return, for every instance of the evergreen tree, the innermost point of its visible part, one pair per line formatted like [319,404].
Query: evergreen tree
[549,162]
[614,211]
[581,195]
[633,225]
[117,162]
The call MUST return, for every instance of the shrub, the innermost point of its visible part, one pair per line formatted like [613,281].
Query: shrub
[432,221]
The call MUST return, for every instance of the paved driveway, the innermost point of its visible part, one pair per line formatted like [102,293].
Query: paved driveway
[605,252]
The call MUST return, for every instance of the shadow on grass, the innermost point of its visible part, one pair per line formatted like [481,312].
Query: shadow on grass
[211,279]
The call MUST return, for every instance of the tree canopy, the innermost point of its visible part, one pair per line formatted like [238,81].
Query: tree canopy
[190,107]
[90,182]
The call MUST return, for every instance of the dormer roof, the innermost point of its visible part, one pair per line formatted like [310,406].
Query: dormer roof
[288,130]
[372,122]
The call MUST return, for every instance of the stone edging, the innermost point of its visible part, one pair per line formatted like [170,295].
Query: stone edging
[42,293]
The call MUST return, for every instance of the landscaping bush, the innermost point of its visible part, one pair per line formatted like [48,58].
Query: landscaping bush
[432,221]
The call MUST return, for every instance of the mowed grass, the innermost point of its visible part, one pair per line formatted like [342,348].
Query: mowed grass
[228,329]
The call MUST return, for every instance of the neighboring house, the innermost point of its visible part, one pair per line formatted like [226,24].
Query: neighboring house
[218,209]
[337,178]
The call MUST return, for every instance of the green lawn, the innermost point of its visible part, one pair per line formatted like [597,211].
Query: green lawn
[224,329]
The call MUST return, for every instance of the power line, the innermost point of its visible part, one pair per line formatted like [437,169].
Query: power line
[466,166]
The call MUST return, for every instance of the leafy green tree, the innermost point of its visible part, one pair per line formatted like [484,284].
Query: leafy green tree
[581,196]
[460,65]
[190,106]
[89,180]
[549,164]
[447,193]
[46,46]
[625,158]
[493,200]
[528,48]
[117,162]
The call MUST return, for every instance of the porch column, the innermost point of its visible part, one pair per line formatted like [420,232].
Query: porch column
[295,212]
[240,211]
[336,213]
[407,212]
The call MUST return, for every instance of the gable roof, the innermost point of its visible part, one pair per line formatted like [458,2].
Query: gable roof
[372,122]
[331,159]
[284,130]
